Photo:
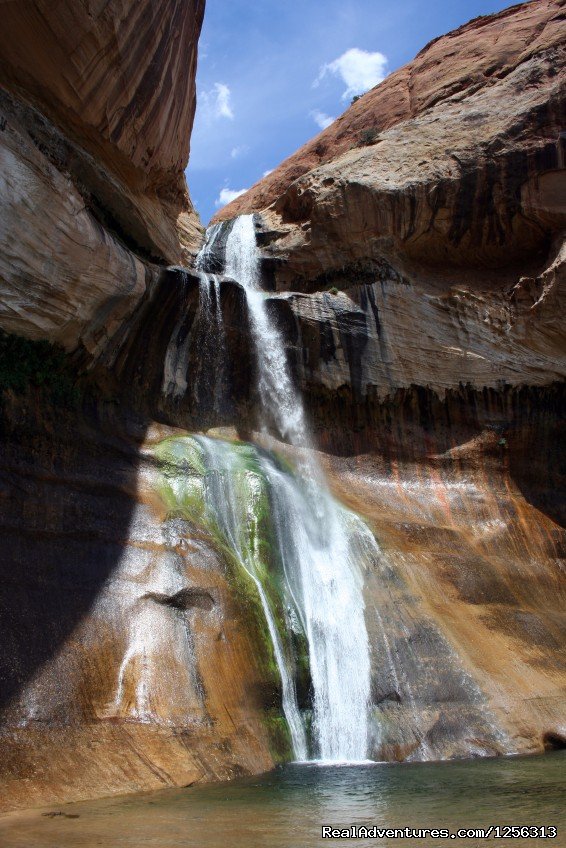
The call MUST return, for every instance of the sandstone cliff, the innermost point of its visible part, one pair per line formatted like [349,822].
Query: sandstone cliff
[415,253]
[416,248]
[474,58]
[97,103]
[442,190]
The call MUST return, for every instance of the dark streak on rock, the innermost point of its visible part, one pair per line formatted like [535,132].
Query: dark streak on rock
[184,600]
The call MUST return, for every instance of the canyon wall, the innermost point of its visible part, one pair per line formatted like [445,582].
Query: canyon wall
[97,101]
[414,253]
[96,108]
[129,661]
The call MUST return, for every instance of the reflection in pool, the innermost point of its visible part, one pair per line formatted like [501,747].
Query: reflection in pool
[288,807]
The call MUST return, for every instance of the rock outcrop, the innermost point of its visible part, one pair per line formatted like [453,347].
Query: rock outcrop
[414,252]
[472,59]
[422,234]
[129,662]
[97,103]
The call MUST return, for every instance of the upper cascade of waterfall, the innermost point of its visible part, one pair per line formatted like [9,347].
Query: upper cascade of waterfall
[281,402]
[242,256]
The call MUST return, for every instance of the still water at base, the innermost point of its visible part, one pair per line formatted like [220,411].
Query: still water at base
[288,807]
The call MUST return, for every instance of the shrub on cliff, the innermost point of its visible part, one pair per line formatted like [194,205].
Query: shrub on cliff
[369,136]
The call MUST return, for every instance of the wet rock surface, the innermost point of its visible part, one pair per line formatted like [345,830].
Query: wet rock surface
[466,610]
[128,661]
[414,258]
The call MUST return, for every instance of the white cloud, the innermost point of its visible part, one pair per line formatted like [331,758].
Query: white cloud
[223,106]
[216,102]
[227,195]
[239,151]
[322,120]
[268,172]
[359,69]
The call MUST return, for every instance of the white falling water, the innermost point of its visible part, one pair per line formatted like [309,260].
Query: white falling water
[317,538]
[211,339]
[279,397]
[317,542]
[207,250]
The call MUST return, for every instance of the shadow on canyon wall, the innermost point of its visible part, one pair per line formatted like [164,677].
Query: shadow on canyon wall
[69,474]
[67,486]
[69,478]
[188,362]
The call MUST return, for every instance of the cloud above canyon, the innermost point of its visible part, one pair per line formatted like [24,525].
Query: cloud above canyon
[358,69]
[256,100]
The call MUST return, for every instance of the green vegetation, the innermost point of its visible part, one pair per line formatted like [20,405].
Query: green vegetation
[25,363]
[368,137]
[280,743]
[183,486]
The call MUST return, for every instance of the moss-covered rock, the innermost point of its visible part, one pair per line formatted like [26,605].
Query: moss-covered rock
[222,488]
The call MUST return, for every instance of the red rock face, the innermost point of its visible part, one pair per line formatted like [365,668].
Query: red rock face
[96,107]
[117,78]
[435,203]
[432,381]
[417,250]
[474,57]
[78,592]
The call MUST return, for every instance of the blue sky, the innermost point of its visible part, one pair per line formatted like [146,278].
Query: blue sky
[272,73]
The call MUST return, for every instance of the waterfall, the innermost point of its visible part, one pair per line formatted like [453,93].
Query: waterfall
[317,539]
[308,576]
[281,403]
[211,340]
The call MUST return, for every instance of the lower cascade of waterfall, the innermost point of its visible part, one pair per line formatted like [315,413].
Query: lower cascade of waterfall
[304,552]
[304,555]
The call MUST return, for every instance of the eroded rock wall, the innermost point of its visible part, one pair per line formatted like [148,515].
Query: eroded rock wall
[466,608]
[97,103]
[416,252]
[129,660]
[475,58]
